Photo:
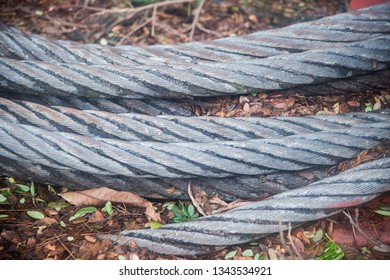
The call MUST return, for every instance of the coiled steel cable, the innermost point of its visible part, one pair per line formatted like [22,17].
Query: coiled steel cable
[202,79]
[327,32]
[137,127]
[255,220]
[228,189]
[104,156]
[373,83]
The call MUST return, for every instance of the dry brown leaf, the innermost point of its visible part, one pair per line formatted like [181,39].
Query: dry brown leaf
[96,217]
[50,247]
[198,198]
[45,221]
[353,103]
[99,196]
[90,238]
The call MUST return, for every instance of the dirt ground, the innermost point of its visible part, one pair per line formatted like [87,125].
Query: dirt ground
[121,22]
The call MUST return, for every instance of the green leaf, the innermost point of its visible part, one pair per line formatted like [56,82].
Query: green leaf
[120,257]
[22,189]
[51,189]
[230,255]
[70,238]
[155,225]
[11,180]
[32,189]
[169,206]
[62,223]
[176,211]
[22,200]
[58,205]
[108,208]
[35,215]
[82,212]
[247,253]
[195,216]
[191,210]
[385,207]
[2,198]
[3,216]
[259,257]
[318,236]
[179,219]
[332,251]
[383,212]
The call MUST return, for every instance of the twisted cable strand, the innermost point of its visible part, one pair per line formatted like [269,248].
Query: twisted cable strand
[228,189]
[203,79]
[104,156]
[255,220]
[137,127]
[327,32]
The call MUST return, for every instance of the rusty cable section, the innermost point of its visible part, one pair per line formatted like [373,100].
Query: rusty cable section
[255,220]
[325,33]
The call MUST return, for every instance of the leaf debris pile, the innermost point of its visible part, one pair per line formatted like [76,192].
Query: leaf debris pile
[37,223]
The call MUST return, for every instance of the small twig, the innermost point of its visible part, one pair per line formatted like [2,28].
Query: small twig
[101,11]
[194,202]
[154,16]
[282,240]
[361,232]
[196,18]
[133,31]
[63,245]
[204,29]
[292,242]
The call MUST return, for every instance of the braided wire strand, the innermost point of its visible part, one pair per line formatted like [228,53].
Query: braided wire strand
[138,127]
[202,79]
[255,220]
[105,156]
[327,32]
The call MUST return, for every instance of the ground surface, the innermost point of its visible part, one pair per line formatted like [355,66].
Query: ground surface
[55,237]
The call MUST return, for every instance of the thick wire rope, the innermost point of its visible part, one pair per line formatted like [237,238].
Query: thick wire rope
[218,159]
[255,220]
[202,79]
[138,127]
[327,32]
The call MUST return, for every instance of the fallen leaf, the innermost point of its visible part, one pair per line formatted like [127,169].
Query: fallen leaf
[11,236]
[50,247]
[45,221]
[90,238]
[198,197]
[99,196]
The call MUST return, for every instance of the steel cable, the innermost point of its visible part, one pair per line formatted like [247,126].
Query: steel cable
[255,220]
[228,189]
[218,159]
[327,33]
[202,79]
[373,83]
[138,127]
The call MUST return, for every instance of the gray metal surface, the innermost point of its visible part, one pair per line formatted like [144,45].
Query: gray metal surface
[255,220]
[324,33]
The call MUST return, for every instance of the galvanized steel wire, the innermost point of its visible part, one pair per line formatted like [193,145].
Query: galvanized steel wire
[255,220]
[64,118]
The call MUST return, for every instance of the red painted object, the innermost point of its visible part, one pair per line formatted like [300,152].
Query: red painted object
[358,4]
